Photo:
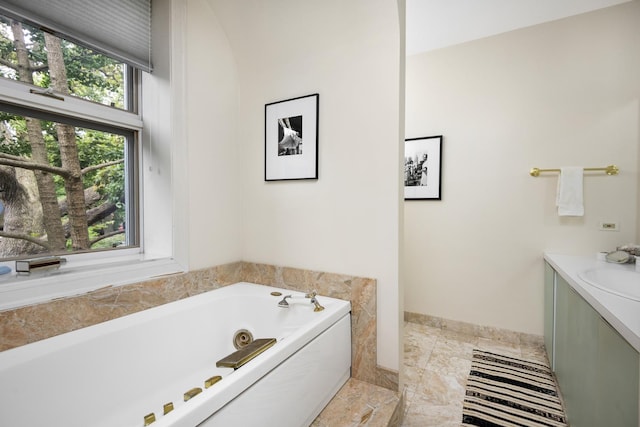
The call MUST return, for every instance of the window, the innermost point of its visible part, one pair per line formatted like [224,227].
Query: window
[69,133]
[148,229]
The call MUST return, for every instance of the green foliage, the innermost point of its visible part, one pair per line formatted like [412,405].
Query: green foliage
[7,49]
[90,75]
[94,76]
[13,135]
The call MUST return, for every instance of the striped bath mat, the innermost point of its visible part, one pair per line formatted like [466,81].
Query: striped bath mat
[505,391]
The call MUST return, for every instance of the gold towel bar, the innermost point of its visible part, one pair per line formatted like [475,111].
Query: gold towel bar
[609,170]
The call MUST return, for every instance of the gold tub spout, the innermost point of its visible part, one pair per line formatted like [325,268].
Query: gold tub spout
[246,353]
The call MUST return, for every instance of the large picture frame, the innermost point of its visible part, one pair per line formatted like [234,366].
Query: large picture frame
[423,168]
[291,139]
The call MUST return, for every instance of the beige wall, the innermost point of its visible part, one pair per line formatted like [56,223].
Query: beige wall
[565,93]
[212,194]
[346,221]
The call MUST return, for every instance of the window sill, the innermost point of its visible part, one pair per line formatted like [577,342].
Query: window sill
[22,290]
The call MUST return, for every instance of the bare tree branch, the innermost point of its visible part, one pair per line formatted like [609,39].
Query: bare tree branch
[8,64]
[94,215]
[32,68]
[19,162]
[25,237]
[12,157]
[37,68]
[100,166]
[105,236]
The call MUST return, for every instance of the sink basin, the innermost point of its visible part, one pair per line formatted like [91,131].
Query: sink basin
[624,283]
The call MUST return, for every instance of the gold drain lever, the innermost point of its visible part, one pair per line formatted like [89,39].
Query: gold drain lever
[246,353]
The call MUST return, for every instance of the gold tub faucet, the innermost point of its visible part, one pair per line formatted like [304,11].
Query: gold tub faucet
[312,295]
[314,301]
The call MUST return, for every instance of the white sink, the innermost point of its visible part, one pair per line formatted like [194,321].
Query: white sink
[624,283]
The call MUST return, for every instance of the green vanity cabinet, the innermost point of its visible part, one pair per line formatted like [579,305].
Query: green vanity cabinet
[597,369]
[617,380]
[549,310]
[576,350]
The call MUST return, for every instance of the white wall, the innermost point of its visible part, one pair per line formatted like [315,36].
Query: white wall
[565,93]
[347,220]
[210,190]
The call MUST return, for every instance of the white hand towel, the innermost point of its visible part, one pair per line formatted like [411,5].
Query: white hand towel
[569,197]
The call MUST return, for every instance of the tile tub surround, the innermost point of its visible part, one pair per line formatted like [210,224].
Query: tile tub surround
[33,323]
[471,329]
[36,322]
[362,294]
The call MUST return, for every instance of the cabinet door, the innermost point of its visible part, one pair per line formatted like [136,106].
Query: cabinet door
[618,369]
[549,309]
[561,345]
[577,355]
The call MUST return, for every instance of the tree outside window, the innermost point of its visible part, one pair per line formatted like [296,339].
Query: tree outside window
[65,183]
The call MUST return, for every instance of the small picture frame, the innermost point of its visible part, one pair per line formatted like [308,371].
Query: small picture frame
[291,139]
[423,168]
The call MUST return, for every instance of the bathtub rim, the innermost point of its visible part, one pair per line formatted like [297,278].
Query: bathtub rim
[67,339]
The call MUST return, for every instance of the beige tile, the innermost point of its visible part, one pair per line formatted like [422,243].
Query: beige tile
[530,340]
[456,345]
[537,354]
[439,388]
[454,367]
[359,404]
[423,413]
[418,345]
[500,347]
[412,377]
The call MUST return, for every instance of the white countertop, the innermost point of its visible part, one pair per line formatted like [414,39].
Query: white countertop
[621,313]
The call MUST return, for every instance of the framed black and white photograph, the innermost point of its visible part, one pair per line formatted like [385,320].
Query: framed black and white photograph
[291,139]
[423,168]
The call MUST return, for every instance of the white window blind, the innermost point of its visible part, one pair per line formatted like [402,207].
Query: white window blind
[118,28]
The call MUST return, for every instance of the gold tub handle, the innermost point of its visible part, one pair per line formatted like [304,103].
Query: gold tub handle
[192,393]
[211,381]
[149,419]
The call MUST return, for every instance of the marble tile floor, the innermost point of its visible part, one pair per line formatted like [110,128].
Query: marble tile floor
[435,369]
[361,404]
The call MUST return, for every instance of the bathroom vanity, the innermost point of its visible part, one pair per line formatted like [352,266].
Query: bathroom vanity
[592,337]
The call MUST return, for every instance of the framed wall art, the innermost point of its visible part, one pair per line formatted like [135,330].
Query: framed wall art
[423,168]
[291,139]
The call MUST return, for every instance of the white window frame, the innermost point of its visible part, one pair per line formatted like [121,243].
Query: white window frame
[163,247]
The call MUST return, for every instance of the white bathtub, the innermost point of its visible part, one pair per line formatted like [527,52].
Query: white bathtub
[114,373]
